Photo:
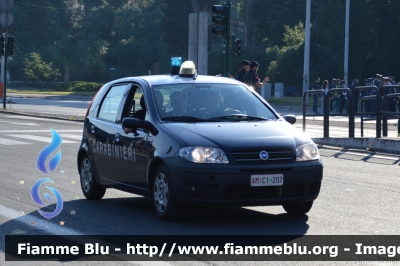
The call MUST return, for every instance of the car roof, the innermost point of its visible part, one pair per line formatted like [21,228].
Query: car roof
[176,79]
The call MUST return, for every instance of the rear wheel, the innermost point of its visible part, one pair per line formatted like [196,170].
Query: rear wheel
[90,188]
[165,203]
[298,209]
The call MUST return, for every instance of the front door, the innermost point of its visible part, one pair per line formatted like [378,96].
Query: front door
[133,157]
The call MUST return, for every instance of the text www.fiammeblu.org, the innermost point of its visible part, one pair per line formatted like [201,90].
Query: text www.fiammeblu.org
[231,249]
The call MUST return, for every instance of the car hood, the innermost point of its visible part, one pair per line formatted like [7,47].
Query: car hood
[230,135]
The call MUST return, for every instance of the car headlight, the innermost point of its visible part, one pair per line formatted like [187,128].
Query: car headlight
[307,152]
[203,155]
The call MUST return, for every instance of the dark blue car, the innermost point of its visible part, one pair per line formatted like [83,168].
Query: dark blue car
[187,140]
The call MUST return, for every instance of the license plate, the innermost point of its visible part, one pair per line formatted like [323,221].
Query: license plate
[266,180]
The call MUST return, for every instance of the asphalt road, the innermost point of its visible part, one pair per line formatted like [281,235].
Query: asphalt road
[359,196]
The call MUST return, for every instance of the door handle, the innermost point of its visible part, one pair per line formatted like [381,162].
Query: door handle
[117,137]
[92,128]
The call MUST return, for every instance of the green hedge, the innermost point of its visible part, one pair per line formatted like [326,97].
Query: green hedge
[79,86]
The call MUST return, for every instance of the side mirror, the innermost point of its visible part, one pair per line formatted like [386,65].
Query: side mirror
[135,123]
[290,118]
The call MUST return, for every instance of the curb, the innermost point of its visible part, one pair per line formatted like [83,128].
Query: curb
[367,144]
[58,117]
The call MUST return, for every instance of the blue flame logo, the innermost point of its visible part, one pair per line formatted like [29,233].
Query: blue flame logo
[45,153]
[36,198]
[41,165]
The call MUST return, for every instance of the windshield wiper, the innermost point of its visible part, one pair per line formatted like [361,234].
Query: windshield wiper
[240,117]
[183,118]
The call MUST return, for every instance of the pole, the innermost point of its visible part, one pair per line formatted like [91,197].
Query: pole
[232,56]
[227,41]
[346,42]
[245,36]
[306,72]
[5,64]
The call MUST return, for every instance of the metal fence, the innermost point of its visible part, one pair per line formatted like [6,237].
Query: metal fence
[380,107]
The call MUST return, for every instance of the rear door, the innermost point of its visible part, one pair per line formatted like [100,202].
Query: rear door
[102,130]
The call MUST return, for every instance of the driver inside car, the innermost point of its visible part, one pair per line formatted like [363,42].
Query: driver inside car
[178,104]
[213,105]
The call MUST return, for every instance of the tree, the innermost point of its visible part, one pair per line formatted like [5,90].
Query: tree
[294,36]
[38,70]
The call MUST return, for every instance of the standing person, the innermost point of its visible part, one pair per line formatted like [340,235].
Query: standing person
[252,79]
[343,97]
[333,97]
[363,93]
[374,91]
[315,86]
[325,87]
[392,101]
[354,84]
[242,72]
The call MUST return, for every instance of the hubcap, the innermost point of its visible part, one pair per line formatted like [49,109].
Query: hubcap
[161,193]
[86,175]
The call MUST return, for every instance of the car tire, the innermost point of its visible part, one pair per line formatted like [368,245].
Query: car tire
[90,188]
[165,203]
[298,209]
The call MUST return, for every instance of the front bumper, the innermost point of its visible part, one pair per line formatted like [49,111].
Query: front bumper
[210,184]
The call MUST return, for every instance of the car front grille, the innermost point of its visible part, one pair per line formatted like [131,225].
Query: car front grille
[247,192]
[276,155]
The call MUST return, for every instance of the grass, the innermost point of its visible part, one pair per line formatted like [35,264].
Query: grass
[292,101]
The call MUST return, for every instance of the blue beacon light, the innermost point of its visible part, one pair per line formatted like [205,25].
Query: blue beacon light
[176,63]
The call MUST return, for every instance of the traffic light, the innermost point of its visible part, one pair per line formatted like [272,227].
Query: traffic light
[222,19]
[237,47]
[10,45]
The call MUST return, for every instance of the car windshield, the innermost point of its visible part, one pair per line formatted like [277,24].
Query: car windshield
[209,102]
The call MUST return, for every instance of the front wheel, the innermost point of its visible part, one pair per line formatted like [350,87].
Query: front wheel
[165,203]
[90,188]
[298,209]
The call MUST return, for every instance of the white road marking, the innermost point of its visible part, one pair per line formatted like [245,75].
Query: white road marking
[317,131]
[363,154]
[39,118]
[19,123]
[40,138]
[11,142]
[41,130]
[151,263]
[70,136]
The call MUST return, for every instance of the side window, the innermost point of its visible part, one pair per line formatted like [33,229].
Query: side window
[111,102]
[137,107]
